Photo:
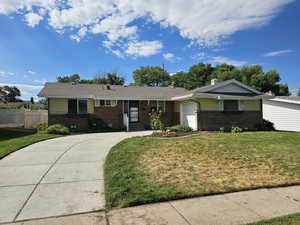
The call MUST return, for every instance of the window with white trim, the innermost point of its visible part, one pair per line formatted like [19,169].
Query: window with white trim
[105,103]
[231,105]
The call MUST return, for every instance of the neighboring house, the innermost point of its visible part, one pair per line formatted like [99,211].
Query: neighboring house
[221,104]
[283,111]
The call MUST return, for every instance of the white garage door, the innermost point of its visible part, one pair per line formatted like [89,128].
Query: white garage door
[188,113]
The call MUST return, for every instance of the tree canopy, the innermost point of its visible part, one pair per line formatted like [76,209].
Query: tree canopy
[151,76]
[69,79]
[11,93]
[254,76]
[198,75]
[105,78]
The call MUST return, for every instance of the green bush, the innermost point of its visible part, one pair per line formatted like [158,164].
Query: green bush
[236,129]
[96,124]
[266,125]
[57,129]
[41,127]
[180,128]
[222,129]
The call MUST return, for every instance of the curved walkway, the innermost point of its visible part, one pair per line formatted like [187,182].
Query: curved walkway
[61,176]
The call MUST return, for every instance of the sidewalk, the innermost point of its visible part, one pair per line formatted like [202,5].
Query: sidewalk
[228,209]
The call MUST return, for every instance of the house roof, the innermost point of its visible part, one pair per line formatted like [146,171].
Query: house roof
[118,92]
[115,92]
[210,91]
[287,99]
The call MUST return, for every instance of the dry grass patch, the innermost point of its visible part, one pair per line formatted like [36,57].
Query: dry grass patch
[199,172]
[142,170]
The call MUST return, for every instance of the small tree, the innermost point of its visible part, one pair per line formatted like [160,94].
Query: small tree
[155,121]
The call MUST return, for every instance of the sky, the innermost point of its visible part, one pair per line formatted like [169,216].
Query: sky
[43,39]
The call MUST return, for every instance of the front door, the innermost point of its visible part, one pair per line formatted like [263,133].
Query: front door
[133,111]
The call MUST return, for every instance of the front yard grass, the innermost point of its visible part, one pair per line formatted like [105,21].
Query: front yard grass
[143,169]
[285,220]
[13,140]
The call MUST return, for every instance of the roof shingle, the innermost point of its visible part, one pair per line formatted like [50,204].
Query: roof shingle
[115,92]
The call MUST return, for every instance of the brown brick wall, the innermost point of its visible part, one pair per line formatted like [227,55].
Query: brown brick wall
[114,116]
[81,121]
[213,120]
[111,115]
[168,117]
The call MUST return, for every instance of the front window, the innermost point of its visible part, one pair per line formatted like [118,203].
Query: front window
[72,106]
[230,105]
[77,106]
[82,106]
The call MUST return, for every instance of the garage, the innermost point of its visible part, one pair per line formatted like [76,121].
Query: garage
[188,114]
[284,112]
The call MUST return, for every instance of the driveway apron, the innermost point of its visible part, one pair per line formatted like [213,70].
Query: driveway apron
[62,176]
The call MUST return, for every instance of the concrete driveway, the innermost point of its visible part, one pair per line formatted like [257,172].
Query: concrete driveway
[62,176]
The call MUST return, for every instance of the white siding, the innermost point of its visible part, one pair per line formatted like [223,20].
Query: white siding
[232,88]
[285,116]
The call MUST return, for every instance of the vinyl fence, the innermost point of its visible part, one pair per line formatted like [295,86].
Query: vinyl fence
[22,118]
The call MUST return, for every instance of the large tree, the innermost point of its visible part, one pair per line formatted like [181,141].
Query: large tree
[11,93]
[151,76]
[105,78]
[109,78]
[254,76]
[198,75]
[69,79]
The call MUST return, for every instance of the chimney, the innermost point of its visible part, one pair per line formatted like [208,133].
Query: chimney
[214,81]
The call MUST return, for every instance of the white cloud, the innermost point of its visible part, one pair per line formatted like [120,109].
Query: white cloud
[168,56]
[43,81]
[143,48]
[6,74]
[33,19]
[203,22]
[31,72]
[222,60]
[277,53]
[200,55]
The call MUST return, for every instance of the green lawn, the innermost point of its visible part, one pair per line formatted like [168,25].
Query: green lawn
[143,169]
[286,220]
[13,140]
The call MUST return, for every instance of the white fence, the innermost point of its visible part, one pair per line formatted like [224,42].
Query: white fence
[22,118]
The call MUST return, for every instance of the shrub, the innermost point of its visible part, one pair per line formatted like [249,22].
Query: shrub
[57,129]
[155,121]
[41,127]
[180,128]
[96,124]
[236,129]
[266,125]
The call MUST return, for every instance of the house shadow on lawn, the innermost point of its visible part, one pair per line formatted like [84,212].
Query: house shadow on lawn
[9,133]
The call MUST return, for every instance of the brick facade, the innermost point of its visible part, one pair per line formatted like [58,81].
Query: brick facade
[214,120]
[113,116]
[81,121]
